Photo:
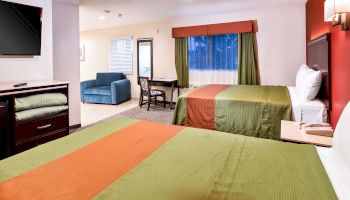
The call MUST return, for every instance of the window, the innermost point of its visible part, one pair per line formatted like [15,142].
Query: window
[213,59]
[121,55]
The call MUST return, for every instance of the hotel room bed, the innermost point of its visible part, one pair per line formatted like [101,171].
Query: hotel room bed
[246,110]
[258,110]
[133,159]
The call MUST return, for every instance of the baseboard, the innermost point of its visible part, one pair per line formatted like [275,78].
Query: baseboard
[74,126]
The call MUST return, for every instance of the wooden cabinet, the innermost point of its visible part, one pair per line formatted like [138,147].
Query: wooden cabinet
[31,133]
[4,131]
[19,136]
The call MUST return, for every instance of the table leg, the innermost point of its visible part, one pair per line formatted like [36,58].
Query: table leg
[172,94]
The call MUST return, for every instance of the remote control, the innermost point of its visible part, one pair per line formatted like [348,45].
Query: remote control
[20,84]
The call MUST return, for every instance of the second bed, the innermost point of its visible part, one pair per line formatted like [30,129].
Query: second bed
[246,110]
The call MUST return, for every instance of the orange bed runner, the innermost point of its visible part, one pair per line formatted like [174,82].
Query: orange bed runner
[201,106]
[86,172]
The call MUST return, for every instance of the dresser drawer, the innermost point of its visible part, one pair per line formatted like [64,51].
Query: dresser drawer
[35,128]
[33,142]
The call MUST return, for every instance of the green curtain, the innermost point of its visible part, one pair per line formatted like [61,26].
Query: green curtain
[248,69]
[181,62]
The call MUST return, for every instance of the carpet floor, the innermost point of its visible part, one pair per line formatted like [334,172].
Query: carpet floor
[155,113]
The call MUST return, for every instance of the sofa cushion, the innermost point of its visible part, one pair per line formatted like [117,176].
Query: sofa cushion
[105,79]
[102,90]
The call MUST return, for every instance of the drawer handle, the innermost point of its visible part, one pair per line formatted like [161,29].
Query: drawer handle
[44,127]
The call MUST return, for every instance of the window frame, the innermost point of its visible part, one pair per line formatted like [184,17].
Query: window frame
[210,57]
[150,40]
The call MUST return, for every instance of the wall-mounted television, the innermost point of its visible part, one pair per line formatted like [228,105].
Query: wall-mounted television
[20,29]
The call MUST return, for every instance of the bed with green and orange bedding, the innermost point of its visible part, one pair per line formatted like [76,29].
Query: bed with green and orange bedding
[129,159]
[239,109]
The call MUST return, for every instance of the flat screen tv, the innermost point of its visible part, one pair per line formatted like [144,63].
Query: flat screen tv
[20,29]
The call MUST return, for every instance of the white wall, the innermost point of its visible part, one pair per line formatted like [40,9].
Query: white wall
[281,42]
[66,56]
[39,67]
[59,57]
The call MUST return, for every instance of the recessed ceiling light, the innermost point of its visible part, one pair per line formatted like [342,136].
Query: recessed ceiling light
[102,17]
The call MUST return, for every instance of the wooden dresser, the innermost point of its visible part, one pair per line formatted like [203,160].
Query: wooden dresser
[18,136]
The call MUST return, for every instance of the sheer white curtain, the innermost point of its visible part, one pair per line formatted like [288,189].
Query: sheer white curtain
[206,77]
[213,59]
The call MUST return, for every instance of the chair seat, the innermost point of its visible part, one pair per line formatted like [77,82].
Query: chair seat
[102,90]
[157,92]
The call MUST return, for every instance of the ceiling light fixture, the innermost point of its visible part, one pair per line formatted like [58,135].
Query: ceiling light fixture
[103,17]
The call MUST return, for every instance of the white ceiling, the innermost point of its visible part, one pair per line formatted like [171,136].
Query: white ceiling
[142,11]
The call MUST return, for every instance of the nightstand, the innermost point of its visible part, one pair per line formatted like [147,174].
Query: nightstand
[290,131]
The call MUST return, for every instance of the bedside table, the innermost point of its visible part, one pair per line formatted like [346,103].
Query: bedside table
[290,131]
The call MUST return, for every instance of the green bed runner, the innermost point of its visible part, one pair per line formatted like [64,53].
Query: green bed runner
[198,164]
[246,110]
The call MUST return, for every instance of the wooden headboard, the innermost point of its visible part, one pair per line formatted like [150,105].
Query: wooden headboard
[318,53]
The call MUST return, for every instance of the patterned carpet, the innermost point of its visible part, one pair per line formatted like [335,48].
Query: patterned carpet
[155,113]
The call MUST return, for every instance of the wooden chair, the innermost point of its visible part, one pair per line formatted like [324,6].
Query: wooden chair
[151,94]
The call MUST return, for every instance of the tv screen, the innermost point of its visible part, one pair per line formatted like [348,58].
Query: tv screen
[20,29]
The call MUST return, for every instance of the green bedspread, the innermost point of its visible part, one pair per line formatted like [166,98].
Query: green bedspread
[194,164]
[246,110]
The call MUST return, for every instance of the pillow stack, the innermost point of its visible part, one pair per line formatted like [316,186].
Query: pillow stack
[308,83]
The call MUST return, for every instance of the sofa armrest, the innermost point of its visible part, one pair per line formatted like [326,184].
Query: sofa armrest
[121,91]
[84,85]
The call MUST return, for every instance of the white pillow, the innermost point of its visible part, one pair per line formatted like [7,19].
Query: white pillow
[302,74]
[308,83]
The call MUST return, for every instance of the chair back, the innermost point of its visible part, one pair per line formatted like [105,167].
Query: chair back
[144,85]
[106,78]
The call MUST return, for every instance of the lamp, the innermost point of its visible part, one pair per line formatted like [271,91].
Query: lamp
[337,11]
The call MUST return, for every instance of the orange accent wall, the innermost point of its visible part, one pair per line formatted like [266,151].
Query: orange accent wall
[340,55]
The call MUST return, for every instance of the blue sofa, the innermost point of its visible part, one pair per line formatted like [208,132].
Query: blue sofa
[108,88]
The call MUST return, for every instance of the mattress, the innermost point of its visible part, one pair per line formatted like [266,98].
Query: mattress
[134,159]
[307,112]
